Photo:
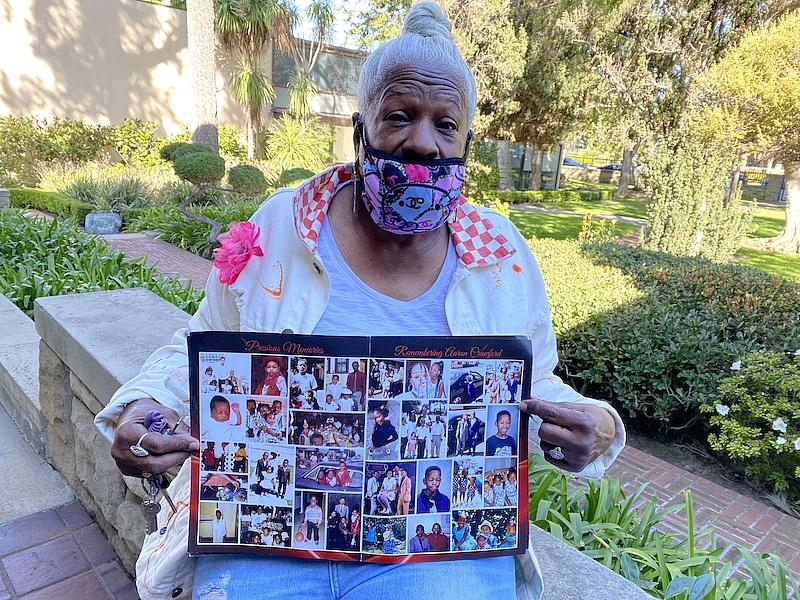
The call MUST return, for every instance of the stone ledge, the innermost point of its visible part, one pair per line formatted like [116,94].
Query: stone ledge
[570,575]
[19,373]
[104,337]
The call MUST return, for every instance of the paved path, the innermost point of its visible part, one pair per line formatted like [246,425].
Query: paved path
[50,549]
[738,519]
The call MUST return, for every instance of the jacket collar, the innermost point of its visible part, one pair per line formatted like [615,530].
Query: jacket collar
[478,243]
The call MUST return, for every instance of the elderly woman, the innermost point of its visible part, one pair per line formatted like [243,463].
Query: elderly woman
[384,246]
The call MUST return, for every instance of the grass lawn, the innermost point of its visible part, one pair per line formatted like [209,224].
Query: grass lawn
[769,222]
[559,227]
[772,262]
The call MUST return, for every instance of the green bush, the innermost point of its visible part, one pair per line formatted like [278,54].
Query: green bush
[190,148]
[303,143]
[48,258]
[198,166]
[483,177]
[688,212]
[579,289]
[292,178]
[549,196]
[107,187]
[185,233]
[52,202]
[602,521]
[756,420]
[247,180]
[664,354]
[136,141]
[229,146]
[165,152]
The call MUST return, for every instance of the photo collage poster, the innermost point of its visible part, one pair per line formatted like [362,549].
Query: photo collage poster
[379,449]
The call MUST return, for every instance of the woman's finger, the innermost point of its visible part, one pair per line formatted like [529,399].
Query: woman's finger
[556,435]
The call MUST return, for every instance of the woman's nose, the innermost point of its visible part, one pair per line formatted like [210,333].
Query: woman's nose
[421,142]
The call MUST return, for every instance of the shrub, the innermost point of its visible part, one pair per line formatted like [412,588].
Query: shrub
[292,178]
[549,196]
[167,150]
[229,146]
[301,143]
[689,214]
[19,139]
[579,289]
[136,141]
[602,521]
[52,202]
[247,180]
[756,420]
[47,258]
[198,166]
[598,232]
[107,187]
[483,177]
[191,148]
[663,355]
[73,141]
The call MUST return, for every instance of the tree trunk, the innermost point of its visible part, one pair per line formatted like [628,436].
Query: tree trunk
[504,165]
[536,168]
[734,183]
[789,240]
[202,63]
[625,173]
[251,140]
[521,170]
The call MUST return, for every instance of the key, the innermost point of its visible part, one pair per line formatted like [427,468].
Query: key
[150,505]
[151,510]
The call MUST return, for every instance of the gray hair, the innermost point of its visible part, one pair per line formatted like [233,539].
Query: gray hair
[425,39]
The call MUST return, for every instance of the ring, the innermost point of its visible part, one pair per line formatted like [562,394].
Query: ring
[556,453]
[137,450]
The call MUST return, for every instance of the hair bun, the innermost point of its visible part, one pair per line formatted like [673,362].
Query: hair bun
[428,19]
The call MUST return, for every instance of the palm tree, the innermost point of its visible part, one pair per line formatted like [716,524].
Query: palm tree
[249,28]
[202,61]
[306,52]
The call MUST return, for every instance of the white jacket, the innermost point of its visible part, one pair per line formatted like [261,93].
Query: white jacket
[497,289]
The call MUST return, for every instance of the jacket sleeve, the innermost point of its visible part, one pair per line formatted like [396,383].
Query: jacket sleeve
[165,374]
[547,386]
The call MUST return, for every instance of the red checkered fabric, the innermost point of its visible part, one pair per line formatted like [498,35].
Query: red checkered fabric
[476,241]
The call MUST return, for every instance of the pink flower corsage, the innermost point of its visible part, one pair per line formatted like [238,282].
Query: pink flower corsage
[236,249]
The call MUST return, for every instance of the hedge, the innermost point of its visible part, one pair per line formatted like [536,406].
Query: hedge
[655,333]
[52,202]
[550,196]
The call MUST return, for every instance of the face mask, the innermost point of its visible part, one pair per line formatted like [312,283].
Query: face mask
[405,197]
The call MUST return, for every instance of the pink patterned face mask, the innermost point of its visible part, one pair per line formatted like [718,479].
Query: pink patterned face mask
[405,197]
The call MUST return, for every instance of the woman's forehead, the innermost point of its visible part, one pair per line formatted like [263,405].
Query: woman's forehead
[424,83]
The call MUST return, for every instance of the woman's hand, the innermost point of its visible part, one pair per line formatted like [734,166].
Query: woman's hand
[166,451]
[582,431]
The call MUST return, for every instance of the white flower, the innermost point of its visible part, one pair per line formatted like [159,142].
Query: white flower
[779,425]
[797,444]
[722,409]
[797,352]
[736,366]
[781,440]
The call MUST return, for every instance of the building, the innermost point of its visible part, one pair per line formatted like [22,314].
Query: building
[105,60]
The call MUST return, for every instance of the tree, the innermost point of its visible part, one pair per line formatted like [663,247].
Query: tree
[553,93]
[247,29]
[306,52]
[202,62]
[754,94]
[649,54]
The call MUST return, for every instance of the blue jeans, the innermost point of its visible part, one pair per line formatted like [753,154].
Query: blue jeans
[225,577]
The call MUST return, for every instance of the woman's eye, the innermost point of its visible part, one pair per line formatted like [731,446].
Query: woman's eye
[448,125]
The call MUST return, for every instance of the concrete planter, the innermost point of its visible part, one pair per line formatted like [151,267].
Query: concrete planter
[103,223]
